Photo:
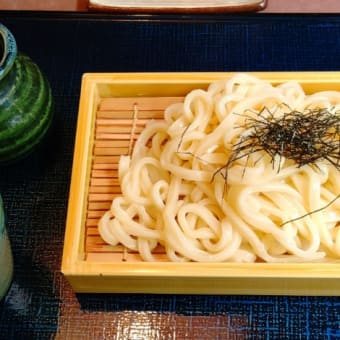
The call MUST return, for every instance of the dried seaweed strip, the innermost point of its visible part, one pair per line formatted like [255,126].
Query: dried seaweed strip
[304,137]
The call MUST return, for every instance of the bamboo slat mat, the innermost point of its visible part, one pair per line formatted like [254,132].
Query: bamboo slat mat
[119,122]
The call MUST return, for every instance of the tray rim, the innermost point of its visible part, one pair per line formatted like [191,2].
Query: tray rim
[172,8]
[78,270]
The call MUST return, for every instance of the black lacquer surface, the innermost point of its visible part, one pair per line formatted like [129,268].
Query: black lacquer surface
[40,304]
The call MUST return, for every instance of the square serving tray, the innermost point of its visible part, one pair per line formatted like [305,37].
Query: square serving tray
[107,128]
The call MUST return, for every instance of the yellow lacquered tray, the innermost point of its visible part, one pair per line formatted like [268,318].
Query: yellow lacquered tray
[113,110]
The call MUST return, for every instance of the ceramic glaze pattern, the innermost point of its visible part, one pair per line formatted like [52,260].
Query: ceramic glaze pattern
[9,48]
[26,102]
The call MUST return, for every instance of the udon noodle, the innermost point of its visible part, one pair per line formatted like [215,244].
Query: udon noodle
[178,193]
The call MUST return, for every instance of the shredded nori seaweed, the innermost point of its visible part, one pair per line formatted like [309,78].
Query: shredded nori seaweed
[303,137]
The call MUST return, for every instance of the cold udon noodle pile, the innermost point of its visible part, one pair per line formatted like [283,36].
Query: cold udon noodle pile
[182,192]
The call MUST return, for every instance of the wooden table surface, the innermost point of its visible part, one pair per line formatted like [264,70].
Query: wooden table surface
[274,6]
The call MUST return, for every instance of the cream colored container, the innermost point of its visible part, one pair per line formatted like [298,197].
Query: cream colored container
[6,260]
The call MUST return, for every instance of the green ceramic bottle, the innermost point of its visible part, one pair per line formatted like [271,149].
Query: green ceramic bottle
[6,260]
[26,102]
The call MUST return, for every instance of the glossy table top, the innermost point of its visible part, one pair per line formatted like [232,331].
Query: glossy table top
[40,303]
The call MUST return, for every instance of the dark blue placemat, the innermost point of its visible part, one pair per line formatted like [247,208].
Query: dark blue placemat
[40,303]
